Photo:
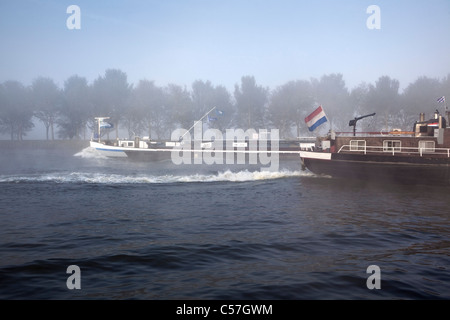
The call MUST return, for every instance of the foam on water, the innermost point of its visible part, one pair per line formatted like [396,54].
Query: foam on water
[90,153]
[103,178]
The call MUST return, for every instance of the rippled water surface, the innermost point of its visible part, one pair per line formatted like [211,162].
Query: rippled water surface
[161,231]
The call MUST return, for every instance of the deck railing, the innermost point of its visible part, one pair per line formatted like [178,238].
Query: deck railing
[394,150]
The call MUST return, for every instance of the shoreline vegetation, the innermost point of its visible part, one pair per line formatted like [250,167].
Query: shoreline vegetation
[44,144]
[147,109]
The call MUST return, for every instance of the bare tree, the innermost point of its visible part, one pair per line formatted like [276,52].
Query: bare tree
[251,102]
[205,97]
[47,102]
[332,94]
[384,99]
[16,110]
[76,108]
[421,96]
[148,105]
[180,106]
[289,105]
[110,96]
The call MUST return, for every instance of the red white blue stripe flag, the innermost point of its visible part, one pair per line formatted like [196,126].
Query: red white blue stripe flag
[316,118]
[441,99]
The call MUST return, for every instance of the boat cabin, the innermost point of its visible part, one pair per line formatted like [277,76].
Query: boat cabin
[428,137]
[427,128]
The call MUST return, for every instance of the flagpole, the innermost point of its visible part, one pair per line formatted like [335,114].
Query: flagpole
[445,106]
[99,120]
[181,138]
[446,111]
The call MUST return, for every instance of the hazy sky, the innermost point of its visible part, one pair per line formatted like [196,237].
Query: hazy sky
[180,41]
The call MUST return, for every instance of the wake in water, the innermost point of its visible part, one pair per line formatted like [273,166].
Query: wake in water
[90,153]
[104,178]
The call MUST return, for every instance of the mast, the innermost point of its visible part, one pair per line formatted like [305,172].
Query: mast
[99,121]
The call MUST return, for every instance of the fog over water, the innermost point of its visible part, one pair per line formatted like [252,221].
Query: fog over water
[200,52]
[157,230]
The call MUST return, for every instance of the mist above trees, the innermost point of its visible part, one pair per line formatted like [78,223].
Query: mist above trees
[149,110]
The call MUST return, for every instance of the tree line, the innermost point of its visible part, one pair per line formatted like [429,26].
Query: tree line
[154,111]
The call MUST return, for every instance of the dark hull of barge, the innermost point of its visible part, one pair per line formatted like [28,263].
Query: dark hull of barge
[419,157]
[383,169]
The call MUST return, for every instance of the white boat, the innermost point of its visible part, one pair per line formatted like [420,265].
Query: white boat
[138,148]
[246,146]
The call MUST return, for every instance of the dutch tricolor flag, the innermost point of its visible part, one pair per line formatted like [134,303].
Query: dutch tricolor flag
[316,118]
[441,99]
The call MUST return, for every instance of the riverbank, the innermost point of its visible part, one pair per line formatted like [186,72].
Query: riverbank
[44,144]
